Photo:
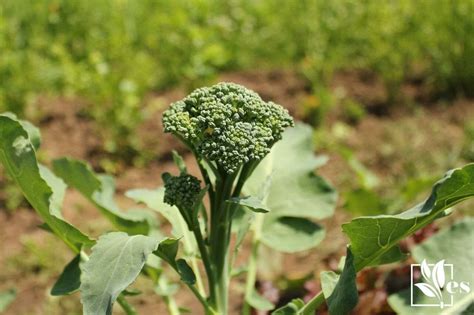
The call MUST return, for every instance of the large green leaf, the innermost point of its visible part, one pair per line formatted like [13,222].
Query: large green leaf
[42,190]
[100,190]
[287,186]
[340,291]
[115,262]
[295,190]
[290,234]
[374,240]
[454,245]
[153,199]
[70,279]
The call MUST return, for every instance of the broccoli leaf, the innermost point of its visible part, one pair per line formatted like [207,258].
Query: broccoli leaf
[292,193]
[100,190]
[34,134]
[290,234]
[186,273]
[340,291]
[167,250]
[70,279]
[41,189]
[374,239]
[295,190]
[115,262]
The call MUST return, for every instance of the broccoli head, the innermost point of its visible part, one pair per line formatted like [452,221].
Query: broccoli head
[227,124]
[181,191]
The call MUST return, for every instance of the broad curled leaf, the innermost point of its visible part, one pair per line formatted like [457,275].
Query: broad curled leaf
[70,279]
[100,190]
[17,154]
[115,262]
[374,239]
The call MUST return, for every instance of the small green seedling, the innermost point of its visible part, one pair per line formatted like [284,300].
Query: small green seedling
[256,180]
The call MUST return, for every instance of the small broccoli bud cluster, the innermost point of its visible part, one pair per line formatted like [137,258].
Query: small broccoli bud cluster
[228,124]
[181,191]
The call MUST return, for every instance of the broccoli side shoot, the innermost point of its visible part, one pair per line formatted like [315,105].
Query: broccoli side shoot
[227,124]
[181,191]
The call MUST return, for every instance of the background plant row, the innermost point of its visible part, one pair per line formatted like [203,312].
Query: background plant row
[114,53]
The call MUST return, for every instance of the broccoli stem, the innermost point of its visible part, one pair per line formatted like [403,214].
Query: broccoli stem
[221,226]
[220,239]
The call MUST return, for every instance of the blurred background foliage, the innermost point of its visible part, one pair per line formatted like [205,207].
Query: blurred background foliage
[112,54]
[387,84]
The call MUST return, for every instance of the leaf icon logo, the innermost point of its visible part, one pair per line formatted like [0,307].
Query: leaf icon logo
[438,275]
[434,280]
[426,289]
[425,270]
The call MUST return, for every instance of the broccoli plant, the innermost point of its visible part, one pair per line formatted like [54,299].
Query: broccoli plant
[255,178]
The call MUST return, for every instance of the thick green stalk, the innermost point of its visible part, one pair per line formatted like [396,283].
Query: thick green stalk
[220,240]
[220,229]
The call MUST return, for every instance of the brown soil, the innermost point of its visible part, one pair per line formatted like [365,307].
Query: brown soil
[68,133]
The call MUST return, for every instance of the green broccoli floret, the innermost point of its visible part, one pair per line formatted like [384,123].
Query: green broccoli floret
[227,123]
[181,191]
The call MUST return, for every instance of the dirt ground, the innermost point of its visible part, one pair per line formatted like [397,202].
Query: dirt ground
[387,141]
